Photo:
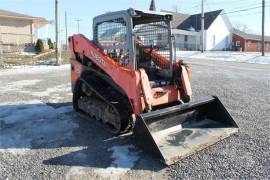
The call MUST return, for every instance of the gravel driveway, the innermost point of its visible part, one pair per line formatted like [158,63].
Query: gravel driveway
[41,137]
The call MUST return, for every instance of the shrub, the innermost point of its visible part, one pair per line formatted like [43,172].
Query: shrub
[50,44]
[39,46]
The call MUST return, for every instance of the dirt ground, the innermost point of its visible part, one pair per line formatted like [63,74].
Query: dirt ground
[42,138]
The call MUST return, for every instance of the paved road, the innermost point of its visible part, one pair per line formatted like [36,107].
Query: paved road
[41,138]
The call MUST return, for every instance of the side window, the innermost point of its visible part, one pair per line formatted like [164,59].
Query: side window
[186,38]
[237,43]
[112,38]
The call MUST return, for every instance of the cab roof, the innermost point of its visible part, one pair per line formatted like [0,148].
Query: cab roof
[138,16]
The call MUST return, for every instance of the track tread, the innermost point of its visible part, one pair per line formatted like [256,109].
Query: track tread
[109,94]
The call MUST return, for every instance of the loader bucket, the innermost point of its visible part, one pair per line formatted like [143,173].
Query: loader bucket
[176,132]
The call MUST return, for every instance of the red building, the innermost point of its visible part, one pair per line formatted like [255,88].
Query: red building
[249,42]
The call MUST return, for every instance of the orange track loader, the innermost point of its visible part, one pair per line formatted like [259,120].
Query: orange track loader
[128,79]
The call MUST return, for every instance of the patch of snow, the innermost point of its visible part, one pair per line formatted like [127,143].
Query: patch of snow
[186,54]
[33,69]
[23,124]
[27,53]
[226,56]
[124,158]
[53,90]
[55,93]
[18,85]
[44,62]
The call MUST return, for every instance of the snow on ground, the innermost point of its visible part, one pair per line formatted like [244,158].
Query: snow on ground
[53,92]
[33,123]
[124,158]
[18,85]
[29,125]
[25,125]
[226,56]
[33,69]
[24,86]
[26,53]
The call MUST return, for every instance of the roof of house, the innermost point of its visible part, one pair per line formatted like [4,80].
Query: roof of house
[14,15]
[194,21]
[250,36]
[178,18]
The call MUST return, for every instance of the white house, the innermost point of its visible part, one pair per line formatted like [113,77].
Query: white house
[187,28]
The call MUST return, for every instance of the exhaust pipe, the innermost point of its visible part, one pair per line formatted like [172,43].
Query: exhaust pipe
[176,132]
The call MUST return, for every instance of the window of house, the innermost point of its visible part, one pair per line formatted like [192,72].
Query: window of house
[186,38]
[237,43]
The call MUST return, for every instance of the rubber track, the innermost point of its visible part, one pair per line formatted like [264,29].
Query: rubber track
[107,93]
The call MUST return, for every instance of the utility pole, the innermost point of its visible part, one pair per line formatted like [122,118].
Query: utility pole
[66,30]
[202,28]
[263,21]
[57,34]
[78,24]
[1,50]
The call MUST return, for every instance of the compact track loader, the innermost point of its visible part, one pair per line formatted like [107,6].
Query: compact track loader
[128,79]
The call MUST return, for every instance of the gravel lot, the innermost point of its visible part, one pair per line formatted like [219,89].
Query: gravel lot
[41,137]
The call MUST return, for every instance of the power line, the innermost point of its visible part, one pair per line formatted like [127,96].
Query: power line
[242,10]
[245,14]
[239,5]
[227,2]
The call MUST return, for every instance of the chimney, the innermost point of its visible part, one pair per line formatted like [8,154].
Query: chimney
[152,6]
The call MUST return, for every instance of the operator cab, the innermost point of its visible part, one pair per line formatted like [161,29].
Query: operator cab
[138,39]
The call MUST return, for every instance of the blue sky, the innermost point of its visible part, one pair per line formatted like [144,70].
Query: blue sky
[87,9]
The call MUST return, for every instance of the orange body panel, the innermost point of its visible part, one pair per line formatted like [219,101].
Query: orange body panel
[134,82]
[185,81]
[164,95]
[77,69]
[146,89]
